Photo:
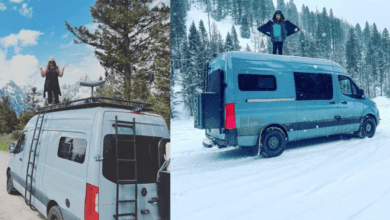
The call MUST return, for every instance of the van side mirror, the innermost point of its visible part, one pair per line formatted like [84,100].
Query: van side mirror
[11,148]
[361,94]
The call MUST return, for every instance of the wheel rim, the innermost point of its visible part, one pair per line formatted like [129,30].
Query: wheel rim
[273,142]
[368,128]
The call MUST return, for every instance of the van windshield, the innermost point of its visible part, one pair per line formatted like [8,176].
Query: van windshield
[146,156]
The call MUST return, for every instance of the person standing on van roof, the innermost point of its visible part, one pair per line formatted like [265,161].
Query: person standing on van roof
[51,83]
[278,29]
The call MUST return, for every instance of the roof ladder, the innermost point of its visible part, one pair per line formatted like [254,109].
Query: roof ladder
[31,160]
[118,161]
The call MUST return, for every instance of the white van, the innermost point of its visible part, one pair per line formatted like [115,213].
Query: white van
[74,166]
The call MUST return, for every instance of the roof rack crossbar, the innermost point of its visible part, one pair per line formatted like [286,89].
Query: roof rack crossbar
[135,105]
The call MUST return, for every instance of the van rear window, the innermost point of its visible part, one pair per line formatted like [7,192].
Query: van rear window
[72,149]
[146,155]
[313,86]
[255,82]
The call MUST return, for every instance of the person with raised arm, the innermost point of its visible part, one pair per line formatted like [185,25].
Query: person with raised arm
[278,29]
[52,72]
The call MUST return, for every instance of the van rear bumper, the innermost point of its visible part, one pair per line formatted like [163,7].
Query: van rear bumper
[230,139]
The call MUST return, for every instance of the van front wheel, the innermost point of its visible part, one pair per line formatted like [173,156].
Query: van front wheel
[10,186]
[55,213]
[273,142]
[368,127]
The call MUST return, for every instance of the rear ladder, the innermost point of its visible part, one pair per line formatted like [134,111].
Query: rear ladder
[31,160]
[125,181]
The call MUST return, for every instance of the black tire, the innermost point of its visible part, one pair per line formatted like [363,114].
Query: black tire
[55,213]
[10,186]
[273,142]
[368,127]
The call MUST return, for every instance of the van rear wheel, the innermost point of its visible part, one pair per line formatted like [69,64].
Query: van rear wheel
[55,213]
[10,186]
[273,142]
[369,127]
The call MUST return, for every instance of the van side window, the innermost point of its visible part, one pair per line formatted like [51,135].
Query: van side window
[347,87]
[72,149]
[313,86]
[21,142]
[255,82]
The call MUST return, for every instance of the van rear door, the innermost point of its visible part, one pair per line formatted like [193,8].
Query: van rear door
[149,131]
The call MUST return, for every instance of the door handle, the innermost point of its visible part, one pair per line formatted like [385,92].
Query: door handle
[153,200]
[332,103]
[20,159]
[337,117]
[344,102]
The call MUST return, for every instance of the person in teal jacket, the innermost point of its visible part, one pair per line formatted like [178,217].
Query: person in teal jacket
[278,29]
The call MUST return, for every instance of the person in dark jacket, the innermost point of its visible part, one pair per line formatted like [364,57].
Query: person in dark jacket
[278,29]
[52,72]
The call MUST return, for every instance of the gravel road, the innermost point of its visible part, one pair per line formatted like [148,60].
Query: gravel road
[12,207]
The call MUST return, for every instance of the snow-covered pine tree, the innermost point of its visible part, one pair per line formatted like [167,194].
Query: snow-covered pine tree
[229,46]
[236,42]
[248,49]
[351,54]
[245,29]
[386,57]
[280,5]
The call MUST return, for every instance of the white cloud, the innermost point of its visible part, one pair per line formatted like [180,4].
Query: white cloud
[9,41]
[2,7]
[14,8]
[23,38]
[89,65]
[65,36]
[22,69]
[29,37]
[26,11]
[16,1]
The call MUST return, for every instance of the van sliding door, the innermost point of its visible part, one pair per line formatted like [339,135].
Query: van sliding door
[318,112]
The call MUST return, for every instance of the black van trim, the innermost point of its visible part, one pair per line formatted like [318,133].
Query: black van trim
[42,197]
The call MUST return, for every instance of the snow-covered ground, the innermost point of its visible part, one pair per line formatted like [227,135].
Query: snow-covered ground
[321,178]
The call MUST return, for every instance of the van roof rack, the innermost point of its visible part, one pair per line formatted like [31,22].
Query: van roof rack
[98,102]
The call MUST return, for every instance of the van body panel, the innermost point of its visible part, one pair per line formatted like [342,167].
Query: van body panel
[60,177]
[145,126]
[65,179]
[255,109]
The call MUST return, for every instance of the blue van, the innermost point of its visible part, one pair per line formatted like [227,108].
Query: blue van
[94,160]
[263,101]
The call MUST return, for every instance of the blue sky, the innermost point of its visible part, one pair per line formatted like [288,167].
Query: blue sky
[33,31]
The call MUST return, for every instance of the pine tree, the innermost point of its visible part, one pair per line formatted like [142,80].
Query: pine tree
[302,45]
[236,42]
[351,54]
[127,30]
[229,46]
[280,5]
[245,30]
[178,28]
[386,57]
[8,119]
[33,99]
[248,49]
[24,118]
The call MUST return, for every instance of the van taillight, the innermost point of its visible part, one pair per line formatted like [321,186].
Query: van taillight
[230,116]
[91,203]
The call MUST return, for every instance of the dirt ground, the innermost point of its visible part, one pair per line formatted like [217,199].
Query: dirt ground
[12,207]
